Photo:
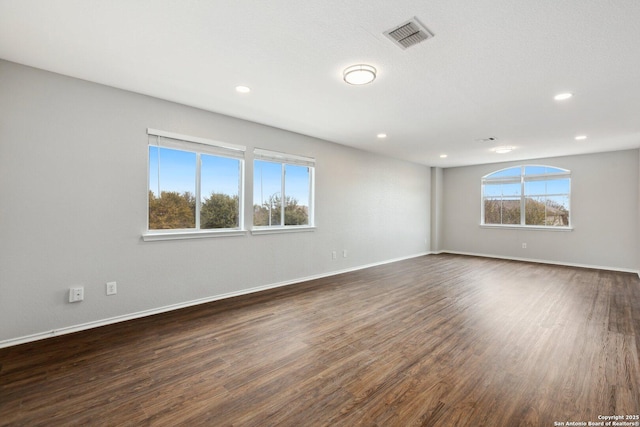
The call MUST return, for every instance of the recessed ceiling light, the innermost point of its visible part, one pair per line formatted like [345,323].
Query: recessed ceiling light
[581,137]
[243,89]
[360,74]
[443,156]
[563,96]
[382,135]
[503,150]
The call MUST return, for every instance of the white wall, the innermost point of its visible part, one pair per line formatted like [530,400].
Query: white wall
[73,189]
[604,214]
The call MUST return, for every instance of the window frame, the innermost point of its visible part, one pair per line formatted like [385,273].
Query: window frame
[285,159]
[522,179]
[199,146]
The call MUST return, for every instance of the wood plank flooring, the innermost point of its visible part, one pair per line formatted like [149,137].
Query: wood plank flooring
[440,340]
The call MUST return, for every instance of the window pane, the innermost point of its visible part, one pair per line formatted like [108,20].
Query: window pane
[506,173]
[511,189]
[502,211]
[172,185]
[558,210]
[547,202]
[535,188]
[267,186]
[492,211]
[511,211]
[502,189]
[547,211]
[558,186]
[296,187]
[535,170]
[541,170]
[535,211]
[492,190]
[219,187]
[549,186]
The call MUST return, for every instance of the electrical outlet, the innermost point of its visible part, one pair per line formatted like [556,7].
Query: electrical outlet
[344,253]
[76,294]
[112,288]
[334,255]
[524,246]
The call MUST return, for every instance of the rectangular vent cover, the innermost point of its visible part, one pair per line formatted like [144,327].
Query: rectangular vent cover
[486,140]
[409,33]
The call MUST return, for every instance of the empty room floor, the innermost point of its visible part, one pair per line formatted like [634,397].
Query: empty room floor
[438,340]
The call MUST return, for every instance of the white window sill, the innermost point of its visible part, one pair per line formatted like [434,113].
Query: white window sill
[200,234]
[285,229]
[525,227]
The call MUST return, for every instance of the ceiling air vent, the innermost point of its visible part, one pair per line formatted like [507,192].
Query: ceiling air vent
[485,140]
[409,33]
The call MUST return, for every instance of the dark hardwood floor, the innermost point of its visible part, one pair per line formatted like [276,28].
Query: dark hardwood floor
[440,340]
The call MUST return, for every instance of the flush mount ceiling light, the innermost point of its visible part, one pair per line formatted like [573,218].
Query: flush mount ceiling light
[382,135]
[360,74]
[443,156]
[563,96]
[503,150]
[243,89]
[581,137]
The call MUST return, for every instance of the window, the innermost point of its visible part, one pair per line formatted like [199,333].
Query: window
[195,184]
[535,196]
[282,190]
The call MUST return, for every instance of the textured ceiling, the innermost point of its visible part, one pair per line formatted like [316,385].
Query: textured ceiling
[491,70]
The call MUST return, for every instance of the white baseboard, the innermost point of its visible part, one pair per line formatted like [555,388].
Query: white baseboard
[543,261]
[95,324]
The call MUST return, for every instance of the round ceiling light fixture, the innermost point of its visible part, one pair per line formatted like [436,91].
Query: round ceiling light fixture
[243,89]
[360,74]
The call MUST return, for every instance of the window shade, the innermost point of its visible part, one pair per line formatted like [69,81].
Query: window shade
[274,156]
[184,142]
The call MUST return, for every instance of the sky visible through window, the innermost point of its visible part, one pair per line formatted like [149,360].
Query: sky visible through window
[175,170]
[267,182]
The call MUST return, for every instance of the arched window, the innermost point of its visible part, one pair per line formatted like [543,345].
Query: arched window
[528,195]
